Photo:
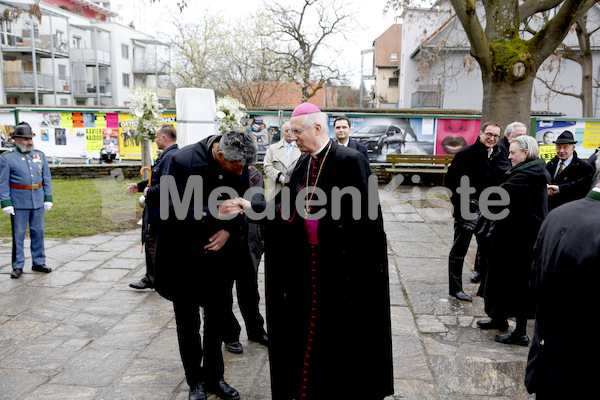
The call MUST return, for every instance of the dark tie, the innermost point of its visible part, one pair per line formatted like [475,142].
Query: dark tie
[560,167]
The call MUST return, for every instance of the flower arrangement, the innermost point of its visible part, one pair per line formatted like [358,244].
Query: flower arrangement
[146,110]
[229,114]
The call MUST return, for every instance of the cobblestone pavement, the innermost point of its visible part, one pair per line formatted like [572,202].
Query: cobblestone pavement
[81,333]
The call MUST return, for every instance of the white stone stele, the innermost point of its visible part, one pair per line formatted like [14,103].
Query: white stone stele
[196,109]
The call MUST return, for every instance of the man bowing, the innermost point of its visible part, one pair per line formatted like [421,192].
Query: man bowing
[327,286]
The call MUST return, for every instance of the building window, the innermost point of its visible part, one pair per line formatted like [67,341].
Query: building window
[393,82]
[64,102]
[76,42]
[394,57]
[125,80]
[124,51]
[62,72]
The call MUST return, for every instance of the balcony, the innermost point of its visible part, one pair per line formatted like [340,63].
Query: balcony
[16,81]
[426,99]
[148,66]
[90,56]
[21,42]
[83,88]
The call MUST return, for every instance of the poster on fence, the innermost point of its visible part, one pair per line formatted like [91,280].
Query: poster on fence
[586,133]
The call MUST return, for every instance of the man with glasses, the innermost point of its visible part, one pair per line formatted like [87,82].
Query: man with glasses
[483,165]
[327,285]
[571,177]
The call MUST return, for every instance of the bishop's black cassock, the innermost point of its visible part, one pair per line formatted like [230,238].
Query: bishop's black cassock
[328,306]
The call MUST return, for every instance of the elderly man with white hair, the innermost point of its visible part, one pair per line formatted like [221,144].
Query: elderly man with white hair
[326,273]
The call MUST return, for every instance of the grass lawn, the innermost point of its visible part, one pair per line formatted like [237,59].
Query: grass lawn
[84,207]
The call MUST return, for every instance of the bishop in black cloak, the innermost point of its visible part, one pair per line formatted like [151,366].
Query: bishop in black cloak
[327,285]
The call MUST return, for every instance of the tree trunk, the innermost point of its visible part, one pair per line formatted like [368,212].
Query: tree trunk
[146,148]
[505,102]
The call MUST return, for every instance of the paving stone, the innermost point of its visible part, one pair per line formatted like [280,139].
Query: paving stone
[82,333]
[49,391]
[94,367]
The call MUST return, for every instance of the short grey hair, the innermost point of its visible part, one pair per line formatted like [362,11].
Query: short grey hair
[525,142]
[237,146]
[320,118]
[510,128]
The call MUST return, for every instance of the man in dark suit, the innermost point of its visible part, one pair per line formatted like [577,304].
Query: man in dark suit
[571,177]
[318,294]
[197,253]
[558,366]
[341,128]
[165,138]
[484,165]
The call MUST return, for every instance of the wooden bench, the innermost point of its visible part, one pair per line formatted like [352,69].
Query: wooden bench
[418,163]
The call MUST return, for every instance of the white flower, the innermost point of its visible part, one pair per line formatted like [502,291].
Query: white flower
[146,110]
[229,114]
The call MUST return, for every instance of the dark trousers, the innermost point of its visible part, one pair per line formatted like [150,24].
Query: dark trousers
[456,260]
[150,247]
[246,284]
[202,362]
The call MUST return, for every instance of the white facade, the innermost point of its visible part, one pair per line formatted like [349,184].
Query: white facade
[452,79]
[130,12]
[74,60]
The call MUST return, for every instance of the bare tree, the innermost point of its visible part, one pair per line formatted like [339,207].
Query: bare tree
[302,34]
[583,56]
[197,51]
[509,62]
[249,72]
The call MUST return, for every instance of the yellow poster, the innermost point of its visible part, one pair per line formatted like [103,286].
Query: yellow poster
[591,136]
[93,140]
[100,120]
[547,152]
[128,145]
[66,120]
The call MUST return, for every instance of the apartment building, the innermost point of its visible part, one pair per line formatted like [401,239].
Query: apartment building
[76,55]
[386,63]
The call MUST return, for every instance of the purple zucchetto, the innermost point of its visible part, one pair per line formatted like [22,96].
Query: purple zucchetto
[305,108]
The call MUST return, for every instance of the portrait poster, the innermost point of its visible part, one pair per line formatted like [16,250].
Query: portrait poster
[60,136]
[586,133]
[453,135]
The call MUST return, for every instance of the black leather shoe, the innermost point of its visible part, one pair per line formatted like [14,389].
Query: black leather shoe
[476,277]
[142,284]
[511,338]
[41,268]
[461,296]
[493,324]
[234,347]
[197,392]
[223,390]
[16,273]
[262,339]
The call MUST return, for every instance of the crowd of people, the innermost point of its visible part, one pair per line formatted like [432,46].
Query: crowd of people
[537,229]
[529,220]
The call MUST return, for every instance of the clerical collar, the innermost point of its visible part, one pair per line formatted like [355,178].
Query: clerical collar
[318,152]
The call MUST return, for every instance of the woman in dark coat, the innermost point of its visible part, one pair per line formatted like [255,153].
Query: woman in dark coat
[506,287]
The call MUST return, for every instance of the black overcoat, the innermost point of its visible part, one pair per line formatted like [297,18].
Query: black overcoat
[506,288]
[482,171]
[184,270]
[352,352]
[573,182]
[567,271]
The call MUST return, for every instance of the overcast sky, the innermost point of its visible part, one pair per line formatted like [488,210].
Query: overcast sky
[372,22]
